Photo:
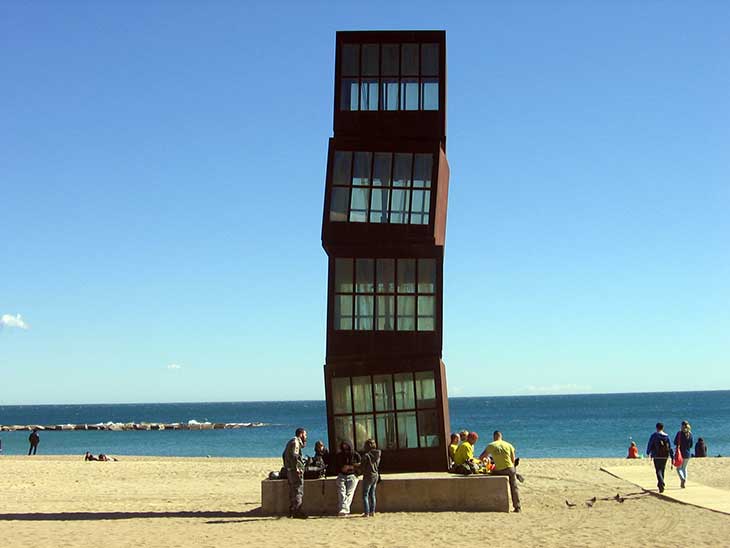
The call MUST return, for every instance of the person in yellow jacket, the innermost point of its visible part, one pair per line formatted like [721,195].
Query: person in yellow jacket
[503,455]
[454,446]
[465,451]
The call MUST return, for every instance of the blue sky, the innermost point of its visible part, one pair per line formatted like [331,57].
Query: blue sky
[162,177]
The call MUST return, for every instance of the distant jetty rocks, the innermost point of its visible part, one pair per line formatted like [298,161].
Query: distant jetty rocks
[124,426]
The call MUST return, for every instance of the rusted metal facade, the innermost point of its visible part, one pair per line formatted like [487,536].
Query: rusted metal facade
[383,230]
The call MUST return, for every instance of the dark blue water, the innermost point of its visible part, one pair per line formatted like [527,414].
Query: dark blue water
[596,425]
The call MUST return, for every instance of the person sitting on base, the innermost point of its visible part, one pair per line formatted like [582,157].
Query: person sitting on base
[452,448]
[503,454]
[464,461]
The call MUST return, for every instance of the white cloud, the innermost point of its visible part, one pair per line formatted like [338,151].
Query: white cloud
[174,366]
[8,320]
[559,389]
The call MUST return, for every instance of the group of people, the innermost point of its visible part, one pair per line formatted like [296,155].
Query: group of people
[347,463]
[660,450]
[102,457]
[498,459]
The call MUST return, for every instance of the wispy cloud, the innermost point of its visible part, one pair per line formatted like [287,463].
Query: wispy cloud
[559,389]
[174,366]
[8,320]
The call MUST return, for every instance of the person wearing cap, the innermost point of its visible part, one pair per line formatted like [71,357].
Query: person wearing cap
[503,455]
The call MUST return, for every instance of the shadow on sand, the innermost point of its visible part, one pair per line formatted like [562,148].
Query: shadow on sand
[86,516]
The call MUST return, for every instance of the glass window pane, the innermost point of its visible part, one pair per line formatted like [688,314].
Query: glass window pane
[429,59]
[359,199]
[425,389]
[420,204]
[361,169]
[381,168]
[370,59]
[364,312]
[364,275]
[428,429]
[343,430]
[343,168]
[390,94]
[383,387]
[402,170]
[348,94]
[426,317]
[409,59]
[408,94]
[386,431]
[399,206]
[390,60]
[406,275]
[422,168]
[369,95]
[404,395]
[407,432]
[364,430]
[385,312]
[343,275]
[343,312]
[430,94]
[350,59]
[379,205]
[426,275]
[338,203]
[406,313]
[386,275]
[362,393]
[341,397]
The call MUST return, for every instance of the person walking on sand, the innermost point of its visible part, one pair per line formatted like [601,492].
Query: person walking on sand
[34,440]
[659,449]
[346,461]
[503,455]
[293,458]
[683,443]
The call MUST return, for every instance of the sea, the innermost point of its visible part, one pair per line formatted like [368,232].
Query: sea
[556,426]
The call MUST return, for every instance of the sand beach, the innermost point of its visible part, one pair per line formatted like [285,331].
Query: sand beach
[62,501]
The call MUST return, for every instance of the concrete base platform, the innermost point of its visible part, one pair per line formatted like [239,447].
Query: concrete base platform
[418,492]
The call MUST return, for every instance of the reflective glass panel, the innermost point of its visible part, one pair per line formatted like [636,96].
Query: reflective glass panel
[426,316]
[428,429]
[407,432]
[349,94]
[390,94]
[429,59]
[343,275]
[420,204]
[409,59]
[386,431]
[399,206]
[385,313]
[404,395]
[350,59]
[426,275]
[383,387]
[422,168]
[381,168]
[364,430]
[390,60]
[359,198]
[343,430]
[342,168]
[370,59]
[402,170]
[425,389]
[430,94]
[369,94]
[406,275]
[341,398]
[343,312]
[338,203]
[362,393]
[379,205]
[364,275]
[361,169]
[364,312]
[386,275]
[408,94]
[406,313]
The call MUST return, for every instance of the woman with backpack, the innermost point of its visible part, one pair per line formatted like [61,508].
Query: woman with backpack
[683,442]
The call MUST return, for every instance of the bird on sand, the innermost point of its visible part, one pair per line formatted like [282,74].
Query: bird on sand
[569,504]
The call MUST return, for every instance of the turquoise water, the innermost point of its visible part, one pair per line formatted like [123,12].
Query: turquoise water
[596,425]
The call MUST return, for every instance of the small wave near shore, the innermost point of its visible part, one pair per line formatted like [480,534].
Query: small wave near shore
[125,426]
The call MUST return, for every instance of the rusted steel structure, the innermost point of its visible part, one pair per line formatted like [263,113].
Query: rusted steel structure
[383,229]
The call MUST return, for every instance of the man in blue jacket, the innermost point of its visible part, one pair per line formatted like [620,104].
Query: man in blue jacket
[660,449]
